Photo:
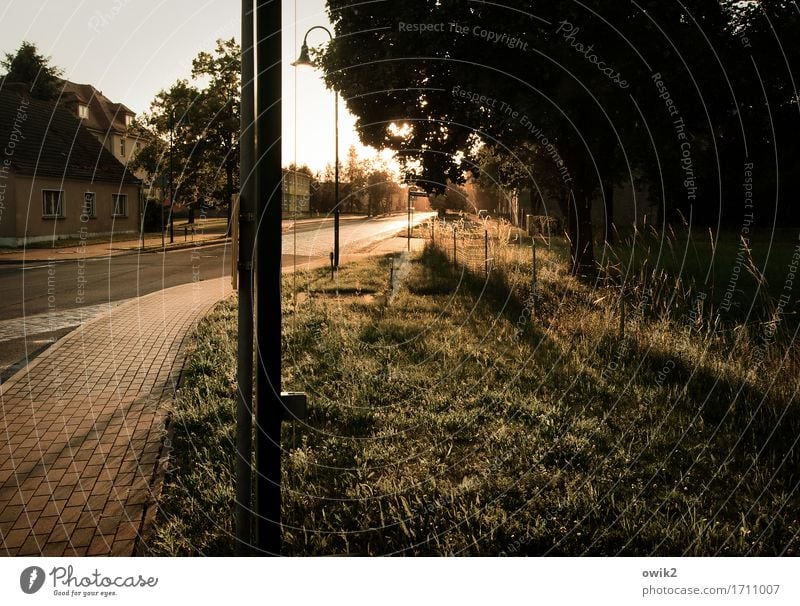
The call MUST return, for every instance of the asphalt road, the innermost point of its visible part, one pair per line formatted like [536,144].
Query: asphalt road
[43,300]
[51,287]
[54,287]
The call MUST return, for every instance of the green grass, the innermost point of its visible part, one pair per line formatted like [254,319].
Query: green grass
[443,421]
[743,281]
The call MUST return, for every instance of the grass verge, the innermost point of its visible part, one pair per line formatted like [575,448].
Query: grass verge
[454,414]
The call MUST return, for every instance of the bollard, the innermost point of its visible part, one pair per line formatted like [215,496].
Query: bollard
[185,232]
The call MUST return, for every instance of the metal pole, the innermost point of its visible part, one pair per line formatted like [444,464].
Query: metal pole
[171,193]
[533,277]
[486,252]
[336,182]
[269,408]
[246,232]
[408,209]
[455,257]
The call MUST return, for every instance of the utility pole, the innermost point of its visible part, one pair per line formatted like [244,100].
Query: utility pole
[269,405]
[336,181]
[246,232]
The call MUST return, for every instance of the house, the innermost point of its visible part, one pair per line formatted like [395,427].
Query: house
[296,192]
[112,124]
[56,179]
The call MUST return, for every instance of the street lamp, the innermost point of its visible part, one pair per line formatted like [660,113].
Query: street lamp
[305,59]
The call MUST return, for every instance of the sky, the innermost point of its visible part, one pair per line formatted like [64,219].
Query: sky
[131,49]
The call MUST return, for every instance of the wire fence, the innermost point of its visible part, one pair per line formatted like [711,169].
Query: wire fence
[478,248]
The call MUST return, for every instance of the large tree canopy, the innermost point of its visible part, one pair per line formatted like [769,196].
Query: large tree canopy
[201,117]
[601,91]
[29,67]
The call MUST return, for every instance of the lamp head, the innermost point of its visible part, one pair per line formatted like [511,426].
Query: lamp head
[304,58]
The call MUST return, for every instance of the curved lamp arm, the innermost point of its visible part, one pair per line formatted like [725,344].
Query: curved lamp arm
[305,57]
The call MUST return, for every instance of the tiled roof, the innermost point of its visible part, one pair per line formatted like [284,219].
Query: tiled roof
[104,117]
[49,141]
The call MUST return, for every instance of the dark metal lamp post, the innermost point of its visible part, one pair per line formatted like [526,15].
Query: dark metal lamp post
[305,59]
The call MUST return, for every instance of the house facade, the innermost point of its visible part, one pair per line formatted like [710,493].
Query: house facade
[296,192]
[112,124]
[56,179]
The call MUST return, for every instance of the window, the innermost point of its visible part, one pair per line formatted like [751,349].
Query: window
[128,119]
[83,111]
[52,203]
[120,205]
[88,210]
[122,147]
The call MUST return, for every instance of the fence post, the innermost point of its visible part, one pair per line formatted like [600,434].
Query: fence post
[486,252]
[455,257]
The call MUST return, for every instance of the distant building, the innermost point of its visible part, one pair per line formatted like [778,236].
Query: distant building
[112,124]
[296,192]
[56,179]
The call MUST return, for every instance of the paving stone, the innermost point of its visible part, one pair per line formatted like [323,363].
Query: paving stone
[82,425]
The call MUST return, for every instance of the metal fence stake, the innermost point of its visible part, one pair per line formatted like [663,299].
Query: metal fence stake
[455,257]
[486,251]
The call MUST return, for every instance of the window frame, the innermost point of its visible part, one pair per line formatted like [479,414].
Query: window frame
[93,213]
[61,209]
[122,147]
[114,209]
[83,111]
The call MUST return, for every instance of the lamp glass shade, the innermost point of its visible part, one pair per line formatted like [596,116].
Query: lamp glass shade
[305,57]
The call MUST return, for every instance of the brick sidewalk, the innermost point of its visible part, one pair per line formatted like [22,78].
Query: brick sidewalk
[82,427]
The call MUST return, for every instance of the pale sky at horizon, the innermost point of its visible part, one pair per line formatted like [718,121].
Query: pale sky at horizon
[131,49]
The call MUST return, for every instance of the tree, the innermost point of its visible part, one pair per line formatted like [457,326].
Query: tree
[178,166]
[573,79]
[322,191]
[382,189]
[29,67]
[218,114]
[202,116]
[355,174]
[768,118]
